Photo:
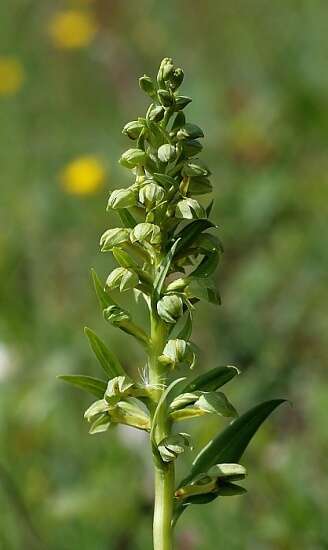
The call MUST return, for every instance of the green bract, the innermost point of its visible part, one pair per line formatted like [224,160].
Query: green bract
[166,251]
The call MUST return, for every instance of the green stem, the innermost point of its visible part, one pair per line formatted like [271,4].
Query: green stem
[163,510]
[164,473]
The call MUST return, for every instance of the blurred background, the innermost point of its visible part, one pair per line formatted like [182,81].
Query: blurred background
[258,74]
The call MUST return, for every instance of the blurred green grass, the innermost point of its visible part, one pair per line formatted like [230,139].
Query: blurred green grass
[257,72]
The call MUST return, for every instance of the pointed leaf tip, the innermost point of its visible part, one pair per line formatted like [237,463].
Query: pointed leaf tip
[106,358]
[230,444]
[92,385]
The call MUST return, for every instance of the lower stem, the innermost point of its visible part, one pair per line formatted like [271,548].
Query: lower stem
[164,473]
[164,489]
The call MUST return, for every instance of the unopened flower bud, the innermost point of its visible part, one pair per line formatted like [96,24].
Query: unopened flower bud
[155,113]
[165,70]
[133,129]
[122,198]
[122,278]
[132,158]
[114,237]
[176,79]
[166,153]
[166,98]
[170,308]
[151,194]
[146,232]
[178,285]
[166,67]
[146,84]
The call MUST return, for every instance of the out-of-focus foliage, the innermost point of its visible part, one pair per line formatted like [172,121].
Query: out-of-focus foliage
[68,72]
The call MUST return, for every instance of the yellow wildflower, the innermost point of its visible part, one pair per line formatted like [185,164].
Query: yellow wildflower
[72,28]
[11,75]
[83,176]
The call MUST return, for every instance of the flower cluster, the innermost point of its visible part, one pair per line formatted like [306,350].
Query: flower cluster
[162,210]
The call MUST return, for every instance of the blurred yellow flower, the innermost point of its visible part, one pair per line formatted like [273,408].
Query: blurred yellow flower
[11,75]
[83,176]
[72,29]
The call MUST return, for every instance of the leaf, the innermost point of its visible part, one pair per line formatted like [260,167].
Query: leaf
[92,385]
[211,380]
[231,443]
[189,233]
[124,259]
[228,446]
[228,471]
[126,218]
[161,404]
[209,208]
[103,297]
[226,489]
[204,289]
[183,328]
[164,179]
[106,358]
[194,499]
[163,269]
[207,266]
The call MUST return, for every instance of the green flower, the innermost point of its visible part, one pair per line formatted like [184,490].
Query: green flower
[146,233]
[122,278]
[114,237]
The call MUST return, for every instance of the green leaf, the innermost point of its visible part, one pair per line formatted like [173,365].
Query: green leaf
[211,380]
[106,358]
[226,489]
[195,499]
[164,179]
[95,386]
[126,218]
[160,406]
[124,259]
[207,266]
[190,232]
[103,297]
[209,208]
[204,289]
[163,270]
[230,444]
[183,328]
